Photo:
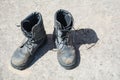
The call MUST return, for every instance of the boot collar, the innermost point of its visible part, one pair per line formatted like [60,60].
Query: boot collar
[37,31]
[67,16]
[31,33]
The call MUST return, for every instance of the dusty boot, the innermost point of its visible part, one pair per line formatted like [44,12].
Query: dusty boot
[66,51]
[33,29]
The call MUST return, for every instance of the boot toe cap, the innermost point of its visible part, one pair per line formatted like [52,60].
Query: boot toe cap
[67,57]
[19,58]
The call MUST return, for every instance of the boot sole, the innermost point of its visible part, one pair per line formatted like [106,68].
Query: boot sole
[31,58]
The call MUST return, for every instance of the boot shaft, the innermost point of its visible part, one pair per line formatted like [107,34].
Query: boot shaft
[63,19]
[63,22]
[62,28]
[32,27]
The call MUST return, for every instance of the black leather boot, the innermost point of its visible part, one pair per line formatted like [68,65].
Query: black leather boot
[64,43]
[33,28]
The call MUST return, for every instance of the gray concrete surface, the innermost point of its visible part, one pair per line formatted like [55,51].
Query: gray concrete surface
[99,62]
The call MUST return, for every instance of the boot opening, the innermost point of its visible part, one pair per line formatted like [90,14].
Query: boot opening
[30,21]
[63,18]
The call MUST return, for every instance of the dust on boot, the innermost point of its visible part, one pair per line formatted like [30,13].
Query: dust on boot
[33,29]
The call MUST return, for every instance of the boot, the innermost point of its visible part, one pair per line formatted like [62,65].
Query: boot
[33,29]
[64,43]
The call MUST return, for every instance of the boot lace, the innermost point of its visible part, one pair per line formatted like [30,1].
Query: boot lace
[68,38]
[29,42]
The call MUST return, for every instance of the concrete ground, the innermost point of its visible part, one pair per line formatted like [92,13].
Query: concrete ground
[98,22]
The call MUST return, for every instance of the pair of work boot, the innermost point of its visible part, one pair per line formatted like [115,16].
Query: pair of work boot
[33,29]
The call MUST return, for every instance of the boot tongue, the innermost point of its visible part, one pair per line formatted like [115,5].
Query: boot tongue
[68,21]
[68,26]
